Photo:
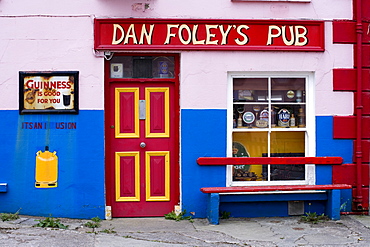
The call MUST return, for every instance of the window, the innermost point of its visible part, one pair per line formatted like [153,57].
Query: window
[142,67]
[271,115]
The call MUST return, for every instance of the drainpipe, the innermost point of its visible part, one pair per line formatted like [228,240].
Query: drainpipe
[359,108]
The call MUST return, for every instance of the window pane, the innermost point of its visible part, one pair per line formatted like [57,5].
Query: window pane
[288,90]
[245,113]
[250,89]
[287,144]
[142,67]
[264,110]
[164,67]
[289,116]
[249,145]
[121,67]
[288,99]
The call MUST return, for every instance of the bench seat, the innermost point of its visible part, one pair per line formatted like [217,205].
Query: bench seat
[329,193]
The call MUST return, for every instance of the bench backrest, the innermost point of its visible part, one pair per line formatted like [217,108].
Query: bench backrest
[269,160]
[236,189]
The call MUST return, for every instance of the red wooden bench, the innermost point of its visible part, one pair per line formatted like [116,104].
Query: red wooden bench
[330,193]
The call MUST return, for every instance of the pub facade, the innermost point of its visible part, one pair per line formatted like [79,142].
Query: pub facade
[106,107]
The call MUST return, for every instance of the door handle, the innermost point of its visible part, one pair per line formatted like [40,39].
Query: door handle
[143,145]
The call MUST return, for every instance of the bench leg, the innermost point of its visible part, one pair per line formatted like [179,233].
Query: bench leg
[213,208]
[333,205]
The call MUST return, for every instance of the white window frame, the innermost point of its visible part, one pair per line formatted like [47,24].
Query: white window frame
[310,133]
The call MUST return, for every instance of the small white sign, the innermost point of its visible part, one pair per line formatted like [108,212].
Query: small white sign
[116,70]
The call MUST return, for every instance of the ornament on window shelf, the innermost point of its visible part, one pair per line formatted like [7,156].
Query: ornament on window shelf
[284,118]
[261,124]
[292,121]
[290,94]
[264,119]
[302,118]
[248,117]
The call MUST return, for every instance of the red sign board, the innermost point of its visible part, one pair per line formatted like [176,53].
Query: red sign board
[185,34]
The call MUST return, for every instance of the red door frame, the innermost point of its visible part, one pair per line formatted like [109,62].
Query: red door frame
[109,169]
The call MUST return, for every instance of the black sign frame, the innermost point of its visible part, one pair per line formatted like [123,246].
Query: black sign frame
[23,100]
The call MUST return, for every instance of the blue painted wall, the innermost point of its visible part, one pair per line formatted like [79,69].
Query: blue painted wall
[80,191]
[203,134]
[80,151]
[327,146]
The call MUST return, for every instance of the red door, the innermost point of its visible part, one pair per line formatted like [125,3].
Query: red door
[142,156]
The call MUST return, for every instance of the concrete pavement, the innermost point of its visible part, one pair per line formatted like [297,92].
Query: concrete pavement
[287,231]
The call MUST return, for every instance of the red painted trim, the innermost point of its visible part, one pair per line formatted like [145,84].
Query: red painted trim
[346,174]
[109,120]
[361,62]
[365,152]
[365,102]
[345,79]
[365,198]
[344,32]
[269,160]
[365,131]
[274,188]
[344,127]
[256,31]
[365,10]
[357,126]
[109,169]
[364,59]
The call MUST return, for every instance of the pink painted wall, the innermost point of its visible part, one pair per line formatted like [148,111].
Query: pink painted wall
[182,9]
[58,35]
